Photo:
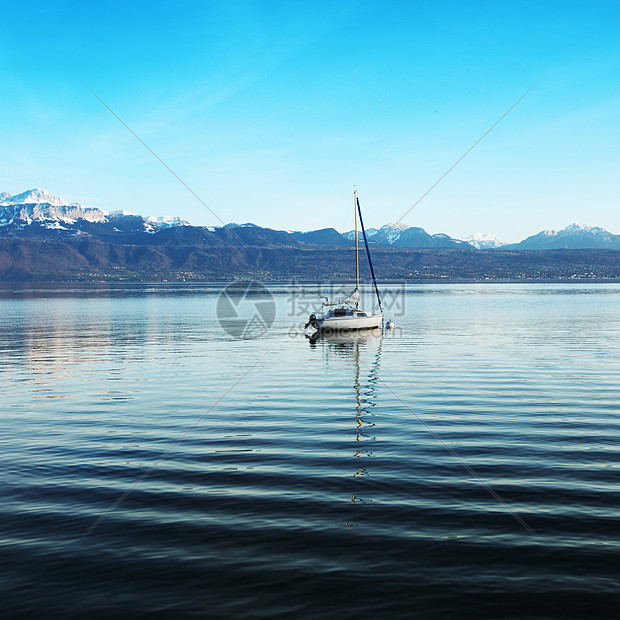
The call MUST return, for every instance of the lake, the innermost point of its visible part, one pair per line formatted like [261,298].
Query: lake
[465,464]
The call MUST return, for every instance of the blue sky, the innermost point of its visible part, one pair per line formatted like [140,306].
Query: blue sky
[272,111]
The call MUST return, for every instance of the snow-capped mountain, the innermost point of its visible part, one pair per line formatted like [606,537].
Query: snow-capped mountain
[415,237]
[164,221]
[387,233]
[484,241]
[390,233]
[350,235]
[37,209]
[38,205]
[37,196]
[401,235]
[573,237]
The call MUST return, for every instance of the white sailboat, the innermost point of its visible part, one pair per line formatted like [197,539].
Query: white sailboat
[348,315]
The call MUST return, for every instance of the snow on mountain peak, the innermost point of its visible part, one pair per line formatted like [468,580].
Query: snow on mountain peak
[482,237]
[120,213]
[37,196]
[484,240]
[394,226]
[235,225]
[596,231]
[166,221]
[370,232]
[575,228]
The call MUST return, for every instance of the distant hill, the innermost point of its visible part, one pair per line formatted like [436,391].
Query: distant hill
[325,236]
[573,237]
[187,235]
[254,236]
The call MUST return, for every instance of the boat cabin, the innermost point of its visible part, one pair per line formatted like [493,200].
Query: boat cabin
[340,312]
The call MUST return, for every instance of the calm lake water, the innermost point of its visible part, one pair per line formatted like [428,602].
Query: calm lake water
[466,464]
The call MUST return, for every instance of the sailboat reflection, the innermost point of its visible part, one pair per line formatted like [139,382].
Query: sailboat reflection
[363,349]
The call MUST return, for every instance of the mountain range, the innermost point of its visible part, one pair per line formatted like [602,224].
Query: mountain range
[573,237]
[39,214]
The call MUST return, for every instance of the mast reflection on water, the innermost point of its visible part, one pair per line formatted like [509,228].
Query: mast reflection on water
[356,348]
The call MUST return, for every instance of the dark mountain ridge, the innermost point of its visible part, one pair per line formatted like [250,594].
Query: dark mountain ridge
[28,259]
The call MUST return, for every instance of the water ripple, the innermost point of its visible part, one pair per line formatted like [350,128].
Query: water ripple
[340,477]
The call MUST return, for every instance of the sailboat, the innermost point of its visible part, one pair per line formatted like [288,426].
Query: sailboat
[348,315]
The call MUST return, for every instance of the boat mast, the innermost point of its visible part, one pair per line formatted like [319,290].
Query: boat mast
[357,254]
[372,271]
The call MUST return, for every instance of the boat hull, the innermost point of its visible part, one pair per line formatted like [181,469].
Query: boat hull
[350,323]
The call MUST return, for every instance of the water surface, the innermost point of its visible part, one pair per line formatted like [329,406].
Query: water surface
[464,465]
